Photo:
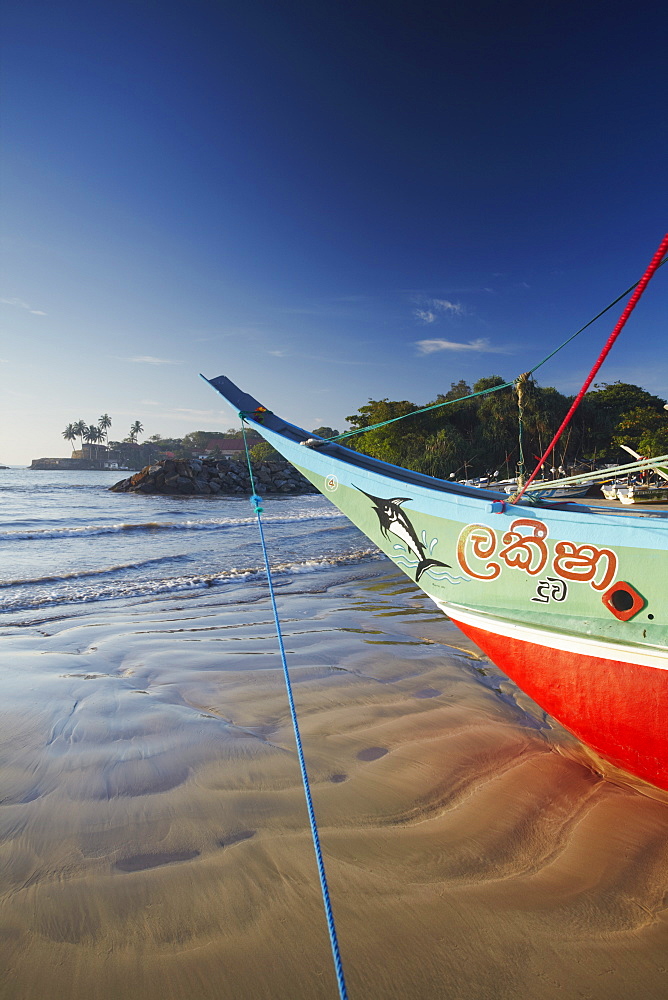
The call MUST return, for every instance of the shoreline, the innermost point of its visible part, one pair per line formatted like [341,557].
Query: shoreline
[155,840]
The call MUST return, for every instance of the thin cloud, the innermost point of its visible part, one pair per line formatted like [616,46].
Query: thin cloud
[278,354]
[433,309]
[481,346]
[147,359]
[425,315]
[453,308]
[20,304]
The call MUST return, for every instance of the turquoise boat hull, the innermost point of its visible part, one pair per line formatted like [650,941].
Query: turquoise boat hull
[568,600]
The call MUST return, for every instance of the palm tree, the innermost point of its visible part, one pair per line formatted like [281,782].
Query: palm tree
[92,434]
[80,429]
[70,434]
[135,431]
[104,423]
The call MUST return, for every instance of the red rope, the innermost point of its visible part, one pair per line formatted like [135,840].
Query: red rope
[630,306]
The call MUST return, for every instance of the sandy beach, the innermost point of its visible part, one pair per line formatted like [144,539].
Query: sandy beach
[155,840]
[301,285]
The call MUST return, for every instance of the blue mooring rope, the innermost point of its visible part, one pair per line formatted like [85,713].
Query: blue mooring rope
[256,503]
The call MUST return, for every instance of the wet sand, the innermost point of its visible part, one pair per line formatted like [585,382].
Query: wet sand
[154,840]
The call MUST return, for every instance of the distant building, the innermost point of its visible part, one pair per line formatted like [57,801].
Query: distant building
[98,455]
[229,447]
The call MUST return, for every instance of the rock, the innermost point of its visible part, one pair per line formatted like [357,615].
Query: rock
[206,477]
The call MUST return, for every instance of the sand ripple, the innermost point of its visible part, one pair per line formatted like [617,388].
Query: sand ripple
[153,834]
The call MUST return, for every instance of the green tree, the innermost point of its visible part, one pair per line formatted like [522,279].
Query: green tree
[80,428]
[135,430]
[602,409]
[325,432]
[70,434]
[197,441]
[654,441]
[644,429]
[264,452]
[104,423]
[92,434]
[393,443]
[458,389]
[543,412]
[498,425]
[621,397]
[446,452]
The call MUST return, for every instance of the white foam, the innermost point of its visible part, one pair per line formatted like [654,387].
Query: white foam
[143,588]
[107,571]
[202,524]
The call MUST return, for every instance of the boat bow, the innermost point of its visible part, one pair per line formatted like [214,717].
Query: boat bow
[568,600]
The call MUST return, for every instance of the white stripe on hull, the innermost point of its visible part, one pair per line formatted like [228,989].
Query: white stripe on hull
[579,645]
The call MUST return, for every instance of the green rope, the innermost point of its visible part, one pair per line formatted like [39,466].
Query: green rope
[494,388]
[598,316]
[424,409]
[250,467]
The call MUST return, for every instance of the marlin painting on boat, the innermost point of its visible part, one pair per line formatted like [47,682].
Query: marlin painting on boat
[568,599]
[393,520]
[571,603]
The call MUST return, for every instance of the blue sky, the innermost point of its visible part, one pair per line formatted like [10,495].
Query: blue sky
[326,201]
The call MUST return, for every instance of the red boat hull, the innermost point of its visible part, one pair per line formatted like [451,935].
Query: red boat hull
[549,593]
[618,708]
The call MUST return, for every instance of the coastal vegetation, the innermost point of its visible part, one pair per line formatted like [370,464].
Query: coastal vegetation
[466,437]
[133,454]
[481,435]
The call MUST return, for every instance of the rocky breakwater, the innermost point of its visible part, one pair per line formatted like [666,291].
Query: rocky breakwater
[208,477]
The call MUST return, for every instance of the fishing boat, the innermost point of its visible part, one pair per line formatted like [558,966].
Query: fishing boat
[556,491]
[643,493]
[609,490]
[569,603]
[552,490]
[569,600]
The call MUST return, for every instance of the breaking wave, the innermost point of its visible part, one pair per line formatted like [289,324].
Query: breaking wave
[107,571]
[201,524]
[143,588]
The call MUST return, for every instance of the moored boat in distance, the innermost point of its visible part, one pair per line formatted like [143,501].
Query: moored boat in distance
[628,492]
[642,494]
[553,491]
[609,490]
[569,602]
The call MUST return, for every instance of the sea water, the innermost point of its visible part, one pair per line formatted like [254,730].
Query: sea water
[154,842]
[65,539]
